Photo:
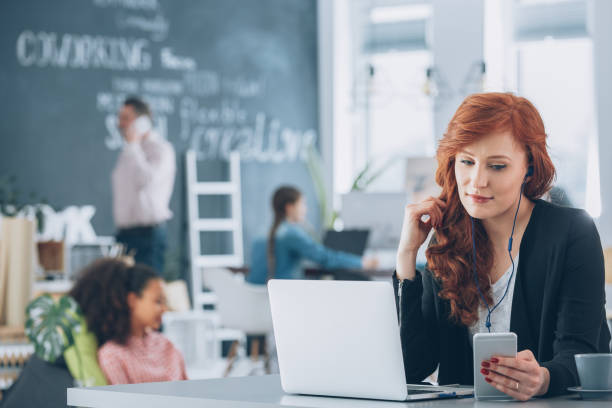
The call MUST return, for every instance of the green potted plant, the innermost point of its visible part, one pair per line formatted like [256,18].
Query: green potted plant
[58,329]
[50,325]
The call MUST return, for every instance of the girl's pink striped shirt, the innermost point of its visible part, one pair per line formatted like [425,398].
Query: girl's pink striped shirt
[151,358]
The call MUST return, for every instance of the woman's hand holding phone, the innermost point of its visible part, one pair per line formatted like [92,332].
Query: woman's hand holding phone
[414,232]
[521,378]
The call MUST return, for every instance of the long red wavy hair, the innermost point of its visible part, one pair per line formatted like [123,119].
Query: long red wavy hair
[449,256]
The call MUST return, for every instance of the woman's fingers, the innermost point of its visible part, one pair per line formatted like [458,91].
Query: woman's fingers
[428,207]
[512,386]
[416,212]
[509,387]
[419,218]
[523,377]
[519,377]
[517,363]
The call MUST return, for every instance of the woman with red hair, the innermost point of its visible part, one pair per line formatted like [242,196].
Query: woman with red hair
[493,166]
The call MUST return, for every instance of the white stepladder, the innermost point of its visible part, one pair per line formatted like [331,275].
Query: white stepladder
[233,224]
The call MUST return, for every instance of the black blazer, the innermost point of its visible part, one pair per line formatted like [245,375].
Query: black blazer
[557,308]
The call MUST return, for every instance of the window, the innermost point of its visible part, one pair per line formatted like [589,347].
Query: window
[548,58]
[557,76]
[388,115]
[399,121]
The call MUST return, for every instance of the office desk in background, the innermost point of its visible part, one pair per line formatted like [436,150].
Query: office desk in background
[265,391]
[386,266]
[337,274]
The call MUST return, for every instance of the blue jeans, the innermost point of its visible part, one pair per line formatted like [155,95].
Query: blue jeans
[148,243]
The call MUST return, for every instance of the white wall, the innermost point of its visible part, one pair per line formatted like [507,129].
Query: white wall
[601,27]
[457,45]
[325,53]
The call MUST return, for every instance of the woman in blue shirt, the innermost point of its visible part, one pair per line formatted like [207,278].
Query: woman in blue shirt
[288,244]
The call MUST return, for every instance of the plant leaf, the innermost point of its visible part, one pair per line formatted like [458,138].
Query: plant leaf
[49,325]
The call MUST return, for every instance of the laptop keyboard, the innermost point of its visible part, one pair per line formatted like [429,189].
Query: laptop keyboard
[412,391]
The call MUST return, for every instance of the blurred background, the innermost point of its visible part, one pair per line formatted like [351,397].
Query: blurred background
[345,99]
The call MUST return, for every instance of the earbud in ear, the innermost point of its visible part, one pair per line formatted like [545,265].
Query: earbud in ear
[529,171]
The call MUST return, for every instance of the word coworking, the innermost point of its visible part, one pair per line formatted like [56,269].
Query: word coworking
[44,49]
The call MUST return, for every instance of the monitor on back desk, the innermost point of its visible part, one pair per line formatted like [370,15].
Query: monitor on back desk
[353,241]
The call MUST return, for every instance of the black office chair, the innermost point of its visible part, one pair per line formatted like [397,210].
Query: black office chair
[40,384]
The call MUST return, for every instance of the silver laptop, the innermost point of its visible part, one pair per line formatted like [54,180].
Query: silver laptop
[337,338]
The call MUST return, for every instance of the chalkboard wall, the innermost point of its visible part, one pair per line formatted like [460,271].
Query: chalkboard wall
[220,75]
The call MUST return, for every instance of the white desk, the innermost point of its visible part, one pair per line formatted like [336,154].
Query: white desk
[263,392]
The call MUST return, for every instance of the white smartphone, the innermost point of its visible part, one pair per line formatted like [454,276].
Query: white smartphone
[487,345]
[142,125]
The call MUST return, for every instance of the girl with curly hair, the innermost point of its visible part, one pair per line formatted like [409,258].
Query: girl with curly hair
[123,307]
[500,259]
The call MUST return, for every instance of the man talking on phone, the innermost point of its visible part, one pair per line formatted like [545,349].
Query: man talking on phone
[143,179]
